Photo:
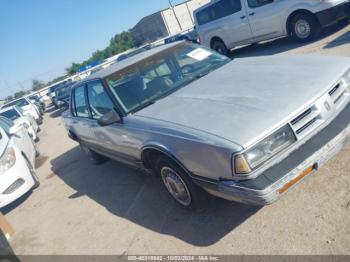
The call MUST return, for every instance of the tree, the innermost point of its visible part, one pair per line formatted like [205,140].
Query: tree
[118,44]
[37,85]
[19,94]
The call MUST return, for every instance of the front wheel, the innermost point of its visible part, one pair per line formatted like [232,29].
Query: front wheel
[180,186]
[305,27]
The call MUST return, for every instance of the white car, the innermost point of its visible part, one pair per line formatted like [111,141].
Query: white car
[225,24]
[14,113]
[28,108]
[17,161]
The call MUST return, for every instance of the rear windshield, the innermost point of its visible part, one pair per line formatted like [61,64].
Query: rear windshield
[10,114]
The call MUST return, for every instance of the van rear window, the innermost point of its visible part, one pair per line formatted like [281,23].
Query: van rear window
[218,10]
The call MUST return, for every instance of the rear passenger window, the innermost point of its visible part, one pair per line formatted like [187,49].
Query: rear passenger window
[258,3]
[81,109]
[218,10]
[99,100]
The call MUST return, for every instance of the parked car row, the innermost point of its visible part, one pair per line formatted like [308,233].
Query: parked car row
[19,126]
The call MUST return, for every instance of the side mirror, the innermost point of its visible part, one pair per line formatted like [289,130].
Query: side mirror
[109,118]
[65,103]
[15,129]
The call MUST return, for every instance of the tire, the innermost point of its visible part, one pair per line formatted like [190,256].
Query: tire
[39,121]
[193,197]
[33,174]
[304,27]
[95,158]
[220,47]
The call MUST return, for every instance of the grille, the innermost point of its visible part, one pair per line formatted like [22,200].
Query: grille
[305,120]
[337,94]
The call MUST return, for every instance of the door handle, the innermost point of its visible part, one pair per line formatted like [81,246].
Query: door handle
[252,13]
[242,17]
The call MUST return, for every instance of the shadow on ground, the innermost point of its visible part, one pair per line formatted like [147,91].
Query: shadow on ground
[285,44]
[58,112]
[142,199]
[18,202]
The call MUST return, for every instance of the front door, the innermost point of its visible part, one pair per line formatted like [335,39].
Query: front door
[264,18]
[113,140]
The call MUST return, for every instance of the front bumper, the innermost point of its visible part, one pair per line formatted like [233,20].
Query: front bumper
[334,14]
[11,178]
[267,188]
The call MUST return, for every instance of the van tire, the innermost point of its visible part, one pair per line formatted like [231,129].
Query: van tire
[219,46]
[304,27]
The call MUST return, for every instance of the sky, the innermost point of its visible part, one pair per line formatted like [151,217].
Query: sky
[40,38]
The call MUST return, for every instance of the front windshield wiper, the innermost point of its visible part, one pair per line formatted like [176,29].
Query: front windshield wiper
[144,105]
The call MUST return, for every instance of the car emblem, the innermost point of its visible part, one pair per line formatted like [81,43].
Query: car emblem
[327,106]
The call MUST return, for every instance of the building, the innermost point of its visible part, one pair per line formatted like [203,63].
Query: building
[166,22]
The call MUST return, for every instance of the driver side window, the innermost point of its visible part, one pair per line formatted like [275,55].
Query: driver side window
[258,3]
[99,100]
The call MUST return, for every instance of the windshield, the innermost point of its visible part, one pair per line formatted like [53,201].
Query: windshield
[20,103]
[10,114]
[155,77]
[63,92]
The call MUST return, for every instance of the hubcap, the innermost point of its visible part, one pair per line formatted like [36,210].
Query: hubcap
[302,28]
[176,186]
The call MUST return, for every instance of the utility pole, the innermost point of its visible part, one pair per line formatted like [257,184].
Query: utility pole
[172,8]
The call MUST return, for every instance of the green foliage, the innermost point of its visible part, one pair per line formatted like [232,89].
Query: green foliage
[118,44]
[19,94]
[37,84]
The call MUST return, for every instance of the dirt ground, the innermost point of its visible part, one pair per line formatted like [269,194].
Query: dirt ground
[112,209]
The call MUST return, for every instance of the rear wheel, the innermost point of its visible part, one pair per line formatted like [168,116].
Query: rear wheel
[180,186]
[304,27]
[94,157]
[220,47]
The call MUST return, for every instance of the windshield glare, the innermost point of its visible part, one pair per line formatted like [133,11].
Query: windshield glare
[162,74]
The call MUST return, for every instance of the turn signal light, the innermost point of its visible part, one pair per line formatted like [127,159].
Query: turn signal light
[241,165]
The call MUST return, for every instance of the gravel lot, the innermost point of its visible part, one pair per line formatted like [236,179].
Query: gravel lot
[111,209]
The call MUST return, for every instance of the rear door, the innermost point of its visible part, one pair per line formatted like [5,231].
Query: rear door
[264,18]
[80,122]
[225,19]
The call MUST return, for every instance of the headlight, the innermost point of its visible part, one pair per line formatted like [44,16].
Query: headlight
[7,160]
[265,150]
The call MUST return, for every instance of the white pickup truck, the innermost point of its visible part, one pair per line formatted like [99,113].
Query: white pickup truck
[225,24]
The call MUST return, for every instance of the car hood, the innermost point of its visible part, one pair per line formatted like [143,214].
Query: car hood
[248,98]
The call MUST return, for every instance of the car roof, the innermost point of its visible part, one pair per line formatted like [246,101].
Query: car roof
[130,61]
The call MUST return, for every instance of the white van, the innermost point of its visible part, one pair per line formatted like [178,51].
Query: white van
[225,24]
